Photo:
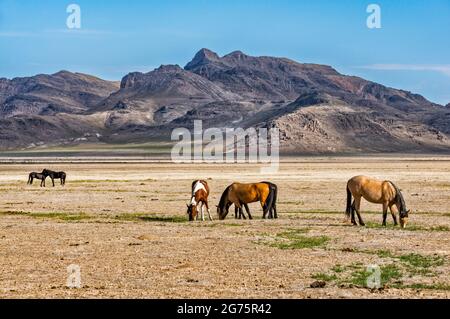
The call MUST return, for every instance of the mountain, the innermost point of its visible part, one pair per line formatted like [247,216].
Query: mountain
[49,94]
[317,109]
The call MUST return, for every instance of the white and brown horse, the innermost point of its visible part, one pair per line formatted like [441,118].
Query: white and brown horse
[200,193]
[379,192]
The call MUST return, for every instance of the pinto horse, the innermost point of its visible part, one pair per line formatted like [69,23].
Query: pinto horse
[58,175]
[379,192]
[35,175]
[242,194]
[200,193]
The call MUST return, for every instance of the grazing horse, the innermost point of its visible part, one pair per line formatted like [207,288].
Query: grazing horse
[35,175]
[53,175]
[238,212]
[242,194]
[379,192]
[200,193]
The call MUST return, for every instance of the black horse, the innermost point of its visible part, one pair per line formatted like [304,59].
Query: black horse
[35,175]
[58,175]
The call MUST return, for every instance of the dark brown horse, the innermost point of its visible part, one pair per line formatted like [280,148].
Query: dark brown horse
[241,194]
[35,175]
[58,175]
[379,192]
[200,193]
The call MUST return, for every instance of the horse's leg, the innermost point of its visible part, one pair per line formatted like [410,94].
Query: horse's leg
[201,211]
[248,211]
[209,212]
[393,210]
[264,210]
[275,214]
[385,208]
[236,212]
[357,208]
[353,213]
[241,212]
[53,182]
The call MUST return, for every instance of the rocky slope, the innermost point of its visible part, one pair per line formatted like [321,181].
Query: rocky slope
[317,109]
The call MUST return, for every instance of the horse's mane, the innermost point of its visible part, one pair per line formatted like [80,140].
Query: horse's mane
[399,199]
[223,197]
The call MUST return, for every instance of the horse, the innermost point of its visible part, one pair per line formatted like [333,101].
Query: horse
[200,193]
[53,175]
[379,192]
[35,175]
[238,212]
[241,194]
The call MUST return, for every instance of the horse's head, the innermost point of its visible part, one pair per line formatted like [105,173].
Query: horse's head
[404,218]
[192,211]
[222,211]
[45,172]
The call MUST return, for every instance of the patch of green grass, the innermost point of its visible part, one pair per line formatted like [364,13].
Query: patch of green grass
[151,218]
[417,262]
[438,286]
[389,273]
[440,228]
[232,225]
[324,277]
[382,253]
[302,242]
[314,211]
[337,269]
[408,228]
[50,215]
[295,239]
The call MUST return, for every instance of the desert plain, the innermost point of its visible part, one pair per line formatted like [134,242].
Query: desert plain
[124,223]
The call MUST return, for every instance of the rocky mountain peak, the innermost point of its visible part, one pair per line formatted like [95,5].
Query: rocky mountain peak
[203,56]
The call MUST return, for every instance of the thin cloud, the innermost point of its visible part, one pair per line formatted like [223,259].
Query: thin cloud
[46,33]
[440,68]
[16,34]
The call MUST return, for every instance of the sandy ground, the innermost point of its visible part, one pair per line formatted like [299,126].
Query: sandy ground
[122,255]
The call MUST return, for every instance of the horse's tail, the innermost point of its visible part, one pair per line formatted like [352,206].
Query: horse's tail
[399,199]
[29,179]
[348,210]
[271,198]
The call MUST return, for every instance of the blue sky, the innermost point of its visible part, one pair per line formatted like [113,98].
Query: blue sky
[411,51]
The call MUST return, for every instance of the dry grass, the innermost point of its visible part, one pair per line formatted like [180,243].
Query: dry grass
[125,224]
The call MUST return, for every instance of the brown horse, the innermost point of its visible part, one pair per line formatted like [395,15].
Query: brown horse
[242,194]
[379,192]
[239,212]
[200,193]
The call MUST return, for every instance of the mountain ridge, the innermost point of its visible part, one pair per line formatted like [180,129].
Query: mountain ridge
[317,109]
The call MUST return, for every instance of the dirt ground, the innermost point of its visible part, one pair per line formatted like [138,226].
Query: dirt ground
[125,225]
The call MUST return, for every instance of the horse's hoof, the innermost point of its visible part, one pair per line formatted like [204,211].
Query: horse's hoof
[362,224]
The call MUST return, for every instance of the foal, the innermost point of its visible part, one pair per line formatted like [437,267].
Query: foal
[200,193]
[34,175]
